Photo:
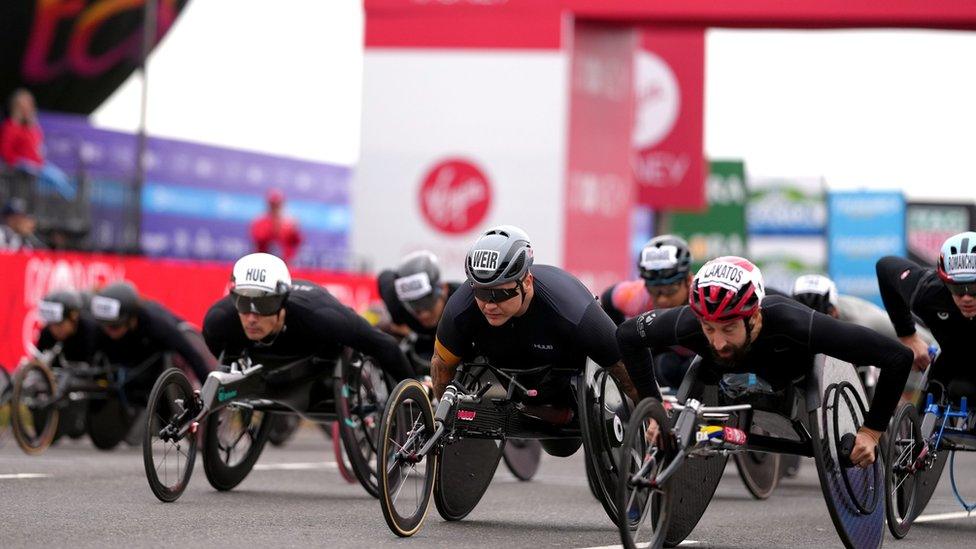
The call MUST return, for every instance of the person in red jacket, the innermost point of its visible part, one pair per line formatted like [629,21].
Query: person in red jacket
[22,145]
[274,232]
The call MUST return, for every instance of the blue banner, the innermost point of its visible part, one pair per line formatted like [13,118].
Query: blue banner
[862,227]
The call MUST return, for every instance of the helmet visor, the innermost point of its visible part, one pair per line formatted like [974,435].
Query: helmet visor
[265,305]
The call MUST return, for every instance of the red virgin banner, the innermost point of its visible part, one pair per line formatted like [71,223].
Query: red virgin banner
[667,148]
[599,187]
[188,288]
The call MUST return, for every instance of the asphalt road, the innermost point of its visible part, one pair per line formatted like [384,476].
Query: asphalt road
[74,495]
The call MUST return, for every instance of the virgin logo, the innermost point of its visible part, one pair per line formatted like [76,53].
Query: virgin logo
[658,100]
[455,196]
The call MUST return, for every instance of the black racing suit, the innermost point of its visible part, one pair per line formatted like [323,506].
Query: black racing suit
[562,326]
[783,351]
[424,345]
[316,325]
[907,288]
[80,346]
[142,351]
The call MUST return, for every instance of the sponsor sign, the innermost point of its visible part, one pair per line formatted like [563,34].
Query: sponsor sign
[455,196]
[721,229]
[666,140]
[863,227]
[929,224]
[786,206]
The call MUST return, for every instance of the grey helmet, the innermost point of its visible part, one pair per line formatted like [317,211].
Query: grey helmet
[58,305]
[665,259]
[418,280]
[501,254]
[116,303]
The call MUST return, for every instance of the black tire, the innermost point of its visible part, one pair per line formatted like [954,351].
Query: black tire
[522,457]
[107,423]
[752,467]
[408,411]
[602,411]
[34,416]
[902,448]
[360,396]
[171,404]
[6,393]
[631,499]
[283,427]
[233,440]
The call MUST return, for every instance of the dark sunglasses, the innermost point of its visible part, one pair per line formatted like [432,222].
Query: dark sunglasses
[495,295]
[113,326]
[666,290]
[263,305]
[425,303]
[961,290]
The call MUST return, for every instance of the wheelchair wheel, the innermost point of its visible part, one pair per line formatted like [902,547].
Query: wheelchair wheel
[341,457]
[283,427]
[169,460]
[233,441]
[107,423]
[644,508]
[903,446]
[6,392]
[522,457]
[406,479]
[34,416]
[360,396]
[759,471]
[603,411]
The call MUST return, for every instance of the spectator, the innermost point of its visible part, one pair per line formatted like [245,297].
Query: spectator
[17,230]
[274,232]
[22,145]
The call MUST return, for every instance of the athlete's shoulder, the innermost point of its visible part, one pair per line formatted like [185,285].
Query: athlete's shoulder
[305,294]
[784,311]
[561,292]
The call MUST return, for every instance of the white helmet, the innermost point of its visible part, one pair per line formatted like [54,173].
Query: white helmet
[261,284]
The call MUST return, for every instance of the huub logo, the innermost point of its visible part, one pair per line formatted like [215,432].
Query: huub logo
[256,275]
[484,260]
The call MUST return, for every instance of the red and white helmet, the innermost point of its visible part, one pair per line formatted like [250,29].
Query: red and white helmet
[726,288]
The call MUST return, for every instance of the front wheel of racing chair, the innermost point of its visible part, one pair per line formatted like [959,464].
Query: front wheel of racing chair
[406,475]
[906,451]
[168,455]
[361,393]
[644,506]
[34,412]
[233,440]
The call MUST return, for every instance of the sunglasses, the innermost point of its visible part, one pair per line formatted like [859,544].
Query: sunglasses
[423,304]
[663,291]
[495,295]
[266,305]
[961,290]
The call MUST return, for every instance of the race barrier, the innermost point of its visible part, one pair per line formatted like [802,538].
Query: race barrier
[188,288]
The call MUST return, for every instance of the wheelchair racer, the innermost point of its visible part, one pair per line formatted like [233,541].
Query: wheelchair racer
[944,299]
[137,334]
[735,328]
[68,324]
[415,296]
[268,316]
[519,315]
[664,266]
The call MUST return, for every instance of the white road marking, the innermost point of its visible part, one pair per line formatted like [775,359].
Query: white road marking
[643,545]
[944,516]
[296,466]
[12,476]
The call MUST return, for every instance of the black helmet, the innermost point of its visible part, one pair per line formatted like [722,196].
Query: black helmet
[816,291]
[665,259]
[501,254]
[417,281]
[115,303]
[57,305]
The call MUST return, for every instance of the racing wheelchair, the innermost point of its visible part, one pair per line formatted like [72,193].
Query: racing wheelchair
[665,485]
[232,409]
[52,396]
[918,449]
[450,454]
